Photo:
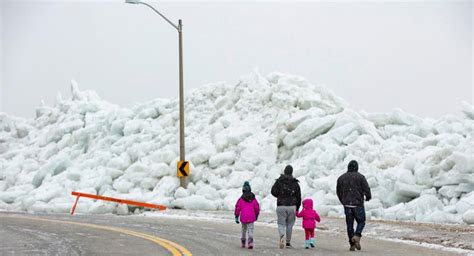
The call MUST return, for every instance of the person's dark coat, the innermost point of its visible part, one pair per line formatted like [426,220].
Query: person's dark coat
[287,190]
[352,187]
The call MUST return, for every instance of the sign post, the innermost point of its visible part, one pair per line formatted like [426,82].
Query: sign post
[179,28]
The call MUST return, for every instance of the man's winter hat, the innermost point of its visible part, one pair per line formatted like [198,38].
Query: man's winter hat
[353,166]
[246,187]
[288,170]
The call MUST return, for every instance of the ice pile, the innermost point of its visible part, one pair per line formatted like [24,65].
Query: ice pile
[418,169]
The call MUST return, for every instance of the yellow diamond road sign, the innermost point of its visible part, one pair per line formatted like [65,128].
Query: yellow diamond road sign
[183,168]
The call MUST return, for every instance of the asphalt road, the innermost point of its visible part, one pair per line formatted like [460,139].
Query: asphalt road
[48,234]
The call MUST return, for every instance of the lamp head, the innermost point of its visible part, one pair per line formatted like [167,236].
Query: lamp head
[132,1]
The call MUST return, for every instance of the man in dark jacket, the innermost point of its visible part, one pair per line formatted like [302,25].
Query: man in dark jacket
[351,189]
[287,191]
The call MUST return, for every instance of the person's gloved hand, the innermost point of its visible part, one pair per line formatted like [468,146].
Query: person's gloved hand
[237,220]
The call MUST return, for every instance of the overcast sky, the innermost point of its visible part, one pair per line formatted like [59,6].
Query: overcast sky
[376,55]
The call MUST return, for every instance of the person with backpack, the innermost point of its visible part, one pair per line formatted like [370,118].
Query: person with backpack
[248,209]
[287,191]
[351,188]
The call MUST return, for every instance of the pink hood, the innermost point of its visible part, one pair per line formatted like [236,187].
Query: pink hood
[308,204]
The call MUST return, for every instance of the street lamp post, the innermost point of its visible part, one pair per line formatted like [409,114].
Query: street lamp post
[179,28]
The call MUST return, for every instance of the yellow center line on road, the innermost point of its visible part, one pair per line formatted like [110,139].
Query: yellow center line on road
[174,248]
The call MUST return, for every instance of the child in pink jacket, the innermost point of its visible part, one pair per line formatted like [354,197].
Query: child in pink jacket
[248,209]
[310,216]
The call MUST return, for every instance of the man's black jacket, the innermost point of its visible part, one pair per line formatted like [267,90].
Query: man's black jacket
[352,187]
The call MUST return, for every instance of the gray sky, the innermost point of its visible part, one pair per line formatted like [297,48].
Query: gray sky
[377,55]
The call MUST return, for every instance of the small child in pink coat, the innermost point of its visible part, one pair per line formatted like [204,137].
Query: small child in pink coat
[248,209]
[310,216]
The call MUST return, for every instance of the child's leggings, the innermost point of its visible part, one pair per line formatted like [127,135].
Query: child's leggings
[247,229]
[309,233]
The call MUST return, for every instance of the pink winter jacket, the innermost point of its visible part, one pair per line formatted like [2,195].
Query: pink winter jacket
[248,211]
[309,215]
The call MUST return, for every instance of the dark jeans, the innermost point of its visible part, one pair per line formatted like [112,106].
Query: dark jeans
[357,213]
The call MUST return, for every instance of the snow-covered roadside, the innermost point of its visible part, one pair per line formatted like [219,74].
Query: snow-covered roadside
[452,238]
[418,169]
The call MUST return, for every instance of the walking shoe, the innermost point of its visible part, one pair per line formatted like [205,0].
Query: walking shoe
[288,245]
[282,242]
[242,240]
[312,242]
[306,244]
[356,241]
[250,243]
[352,248]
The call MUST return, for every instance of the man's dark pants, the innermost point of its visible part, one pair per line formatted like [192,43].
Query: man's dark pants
[357,213]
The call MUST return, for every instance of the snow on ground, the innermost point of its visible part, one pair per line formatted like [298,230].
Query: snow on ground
[418,169]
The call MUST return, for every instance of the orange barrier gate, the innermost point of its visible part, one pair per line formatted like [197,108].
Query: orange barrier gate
[116,200]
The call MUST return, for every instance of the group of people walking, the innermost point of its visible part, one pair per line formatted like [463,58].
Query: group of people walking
[352,190]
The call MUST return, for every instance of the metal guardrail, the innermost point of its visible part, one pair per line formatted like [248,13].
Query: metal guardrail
[116,200]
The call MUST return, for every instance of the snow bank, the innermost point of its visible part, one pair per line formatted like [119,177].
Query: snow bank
[418,169]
